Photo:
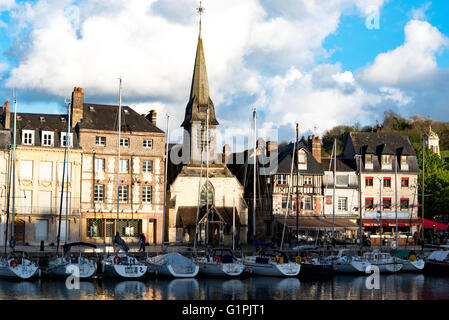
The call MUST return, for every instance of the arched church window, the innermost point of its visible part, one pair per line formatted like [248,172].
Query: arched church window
[210,194]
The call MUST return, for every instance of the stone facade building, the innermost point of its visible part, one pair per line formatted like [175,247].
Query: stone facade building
[192,189]
[141,172]
[379,152]
[39,165]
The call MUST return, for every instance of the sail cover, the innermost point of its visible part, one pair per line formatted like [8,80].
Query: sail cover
[172,258]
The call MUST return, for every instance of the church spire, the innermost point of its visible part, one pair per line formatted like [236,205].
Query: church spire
[199,99]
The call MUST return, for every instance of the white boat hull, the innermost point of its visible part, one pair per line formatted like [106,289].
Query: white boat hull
[86,270]
[413,266]
[175,272]
[272,269]
[221,269]
[352,267]
[388,267]
[23,271]
[123,271]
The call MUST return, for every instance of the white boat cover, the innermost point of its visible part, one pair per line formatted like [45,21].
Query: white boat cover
[173,259]
[439,255]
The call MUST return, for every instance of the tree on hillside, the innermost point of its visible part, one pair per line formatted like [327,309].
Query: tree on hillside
[436,184]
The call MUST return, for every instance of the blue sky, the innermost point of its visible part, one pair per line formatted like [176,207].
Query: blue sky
[295,60]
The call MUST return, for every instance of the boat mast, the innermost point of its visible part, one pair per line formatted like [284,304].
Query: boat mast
[422,194]
[199,203]
[233,222]
[380,204]
[68,141]
[297,188]
[333,192]
[119,123]
[254,172]
[396,197]
[12,243]
[207,177]
[63,180]
[165,183]
[8,204]
[360,201]
[290,187]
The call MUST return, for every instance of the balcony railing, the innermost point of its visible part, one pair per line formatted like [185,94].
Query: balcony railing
[44,210]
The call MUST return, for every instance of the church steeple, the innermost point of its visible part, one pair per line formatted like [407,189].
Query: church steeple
[199,99]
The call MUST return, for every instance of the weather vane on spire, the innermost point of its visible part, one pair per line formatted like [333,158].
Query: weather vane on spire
[200,10]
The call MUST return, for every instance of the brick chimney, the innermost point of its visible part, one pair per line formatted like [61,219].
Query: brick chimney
[271,145]
[7,119]
[316,148]
[77,105]
[152,116]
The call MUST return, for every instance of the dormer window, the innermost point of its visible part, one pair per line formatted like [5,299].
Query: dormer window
[64,139]
[368,161]
[404,163]
[28,137]
[47,138]
[302,160]
[386,161]
[42,119]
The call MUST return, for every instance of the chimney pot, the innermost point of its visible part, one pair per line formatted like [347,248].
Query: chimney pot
[7,118]
[77,105]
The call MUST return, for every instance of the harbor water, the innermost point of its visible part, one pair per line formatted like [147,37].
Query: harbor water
[400,286]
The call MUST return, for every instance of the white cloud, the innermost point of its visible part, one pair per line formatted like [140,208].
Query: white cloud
[414,60]
[6,5]
[420,13]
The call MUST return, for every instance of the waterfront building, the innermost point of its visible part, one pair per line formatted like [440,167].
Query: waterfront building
[346,209]
[140,188]
[378,151]
[39,162]
[189,189]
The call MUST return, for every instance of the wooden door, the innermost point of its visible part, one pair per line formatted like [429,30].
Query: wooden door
[19,231]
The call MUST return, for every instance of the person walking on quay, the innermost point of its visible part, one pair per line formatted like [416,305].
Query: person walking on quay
[416,238]
[142,241]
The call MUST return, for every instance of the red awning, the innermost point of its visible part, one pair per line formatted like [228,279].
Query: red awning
[438,226]
[390,222]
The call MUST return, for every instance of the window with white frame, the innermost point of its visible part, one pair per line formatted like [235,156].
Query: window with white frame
[307,203]
[99,192]
[147,194]
[45,202]
[45,170]
[302,157]
[281,179]
[148,143]
[386,160]
[124,142]
[147,166]
[99,165]
[26,169]
[123,193]
[28,137]
[308,181]
[64,139]
[124,166]
[100,141]
[342,204]
[47,138]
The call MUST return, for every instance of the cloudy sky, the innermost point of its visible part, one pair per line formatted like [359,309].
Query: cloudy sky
[316,62]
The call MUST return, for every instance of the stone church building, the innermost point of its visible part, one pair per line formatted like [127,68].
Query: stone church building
[194,188]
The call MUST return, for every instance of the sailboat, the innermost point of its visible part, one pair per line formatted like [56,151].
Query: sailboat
[170,264]
[16,265]
[270,262]
[121,265]
[67,264]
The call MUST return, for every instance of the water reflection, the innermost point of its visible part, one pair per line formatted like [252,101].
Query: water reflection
[341,287]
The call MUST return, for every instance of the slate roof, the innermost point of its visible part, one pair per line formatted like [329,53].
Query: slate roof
[52,122]
[384,142]
[104,117]
[285,158]
[343,165]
